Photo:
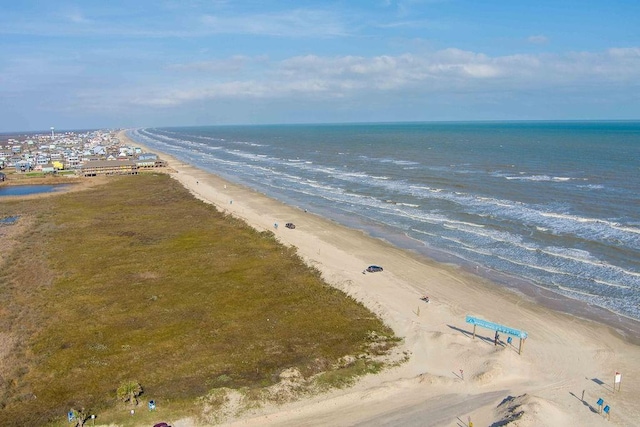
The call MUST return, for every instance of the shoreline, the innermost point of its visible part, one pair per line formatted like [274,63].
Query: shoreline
[557,361]
[627,326]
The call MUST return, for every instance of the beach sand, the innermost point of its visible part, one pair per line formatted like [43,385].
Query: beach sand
[450,378]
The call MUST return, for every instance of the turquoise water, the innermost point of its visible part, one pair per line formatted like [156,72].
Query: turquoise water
[551,204]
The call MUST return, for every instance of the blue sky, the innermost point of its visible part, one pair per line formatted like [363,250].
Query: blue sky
[107,64]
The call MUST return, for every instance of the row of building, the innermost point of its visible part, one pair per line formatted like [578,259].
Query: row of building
[88,154]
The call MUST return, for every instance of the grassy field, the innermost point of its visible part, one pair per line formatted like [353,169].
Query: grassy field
[137,280]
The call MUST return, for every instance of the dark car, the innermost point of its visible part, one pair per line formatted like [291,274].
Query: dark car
[290,225]
[374,268]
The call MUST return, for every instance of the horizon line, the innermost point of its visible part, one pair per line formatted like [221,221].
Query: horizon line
[47,131]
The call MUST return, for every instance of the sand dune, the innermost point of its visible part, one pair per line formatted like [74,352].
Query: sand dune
[563,357]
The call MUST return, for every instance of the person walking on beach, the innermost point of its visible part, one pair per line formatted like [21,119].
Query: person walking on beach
[496,338]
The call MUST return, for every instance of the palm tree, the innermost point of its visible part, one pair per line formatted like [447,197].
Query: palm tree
[129,391]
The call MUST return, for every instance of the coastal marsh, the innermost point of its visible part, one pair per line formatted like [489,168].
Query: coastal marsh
[138,280]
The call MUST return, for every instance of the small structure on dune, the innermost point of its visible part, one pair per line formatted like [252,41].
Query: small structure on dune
[498,328]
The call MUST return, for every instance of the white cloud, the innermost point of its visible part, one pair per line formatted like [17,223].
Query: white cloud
[192,20]
[234,64]
[77,18]
[538,39]
[291,23]
[358,81]
[445,70]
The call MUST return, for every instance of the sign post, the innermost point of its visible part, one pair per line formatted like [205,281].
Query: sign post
[617,380]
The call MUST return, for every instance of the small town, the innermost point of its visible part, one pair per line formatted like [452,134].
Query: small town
[88,153]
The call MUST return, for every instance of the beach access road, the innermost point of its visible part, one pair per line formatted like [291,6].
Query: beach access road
[405,409]
[436,411]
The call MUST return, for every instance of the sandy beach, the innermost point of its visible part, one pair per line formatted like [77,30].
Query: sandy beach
[451,379]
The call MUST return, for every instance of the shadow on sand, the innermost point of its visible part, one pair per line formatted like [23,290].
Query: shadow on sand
[488,340]
[470,334]
[602,384]
[585,403]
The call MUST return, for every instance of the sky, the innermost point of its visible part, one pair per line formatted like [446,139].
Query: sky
[90,64]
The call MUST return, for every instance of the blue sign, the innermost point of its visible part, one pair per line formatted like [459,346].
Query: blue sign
[606,409]
[496,327]
[600,402]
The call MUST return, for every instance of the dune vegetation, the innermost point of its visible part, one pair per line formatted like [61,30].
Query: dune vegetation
[138,281]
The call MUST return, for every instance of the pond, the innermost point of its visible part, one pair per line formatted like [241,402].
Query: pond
[9,220]
[27,190]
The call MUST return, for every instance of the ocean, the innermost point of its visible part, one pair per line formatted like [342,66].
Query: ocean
[552,206]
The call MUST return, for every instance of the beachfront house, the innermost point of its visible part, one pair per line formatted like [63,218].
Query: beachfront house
[108,167]
[57,165]
[48,168]
[147,160]
[42,159]
[23,166]
[148,156]
[150,160]
[99,151]
[13,160]
[73,162]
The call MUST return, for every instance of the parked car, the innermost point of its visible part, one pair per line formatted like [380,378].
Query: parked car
[374,268]
[290,225]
